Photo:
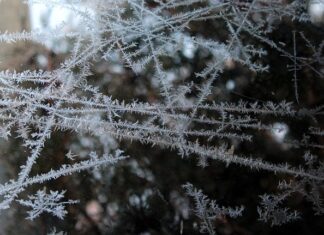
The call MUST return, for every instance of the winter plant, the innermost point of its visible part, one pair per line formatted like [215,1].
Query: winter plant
[153,40]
